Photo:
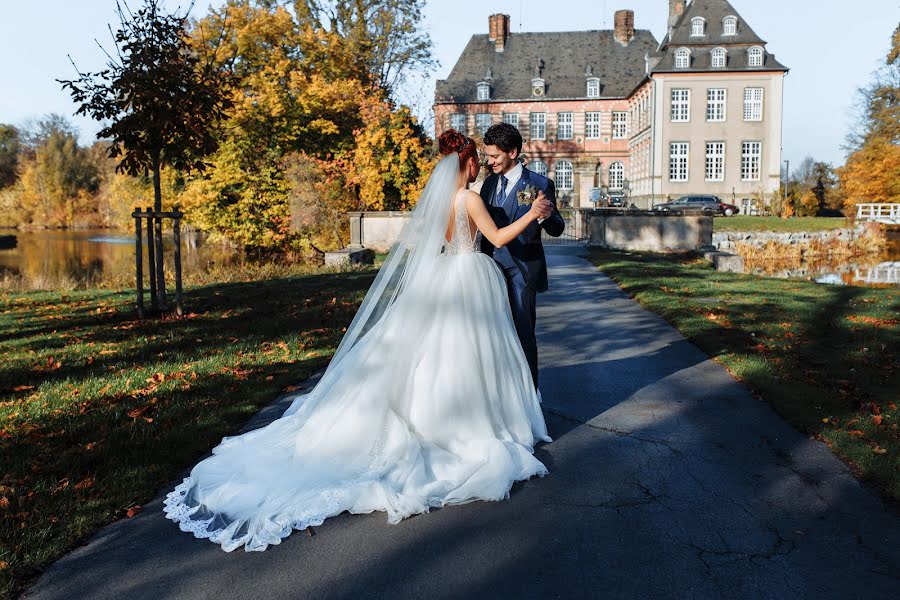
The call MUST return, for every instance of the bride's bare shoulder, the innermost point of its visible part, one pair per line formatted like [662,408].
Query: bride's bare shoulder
[470,196]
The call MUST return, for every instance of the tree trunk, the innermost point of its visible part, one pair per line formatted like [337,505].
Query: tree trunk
[157,269]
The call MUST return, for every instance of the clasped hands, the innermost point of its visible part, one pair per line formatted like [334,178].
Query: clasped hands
[541,206]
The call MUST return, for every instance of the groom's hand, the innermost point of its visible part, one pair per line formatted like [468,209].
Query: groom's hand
[543,206]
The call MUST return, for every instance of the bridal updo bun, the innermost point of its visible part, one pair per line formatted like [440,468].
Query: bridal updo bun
[453,141]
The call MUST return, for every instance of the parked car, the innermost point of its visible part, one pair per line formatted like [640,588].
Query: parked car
[615,199]
[704,204]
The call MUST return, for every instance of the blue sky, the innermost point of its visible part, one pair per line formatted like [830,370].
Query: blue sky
[831,48]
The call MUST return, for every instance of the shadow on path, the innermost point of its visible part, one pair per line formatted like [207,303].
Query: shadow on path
[667,479]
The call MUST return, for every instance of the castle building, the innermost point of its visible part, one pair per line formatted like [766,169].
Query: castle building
[698,113]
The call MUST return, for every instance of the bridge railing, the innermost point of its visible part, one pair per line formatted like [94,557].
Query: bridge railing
[882,212]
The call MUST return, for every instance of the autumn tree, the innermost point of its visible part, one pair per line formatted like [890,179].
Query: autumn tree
[872,171]
[307,114]
[9,154]
[385,35]
[160,99]
[54,177]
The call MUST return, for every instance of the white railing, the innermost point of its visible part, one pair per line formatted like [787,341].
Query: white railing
[881,213]
[886,272]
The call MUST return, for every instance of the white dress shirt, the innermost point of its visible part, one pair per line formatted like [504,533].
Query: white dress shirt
[512,178]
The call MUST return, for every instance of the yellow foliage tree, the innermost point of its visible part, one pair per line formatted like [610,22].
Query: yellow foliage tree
[872,174]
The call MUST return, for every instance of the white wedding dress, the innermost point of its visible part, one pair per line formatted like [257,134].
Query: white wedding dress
[432,405]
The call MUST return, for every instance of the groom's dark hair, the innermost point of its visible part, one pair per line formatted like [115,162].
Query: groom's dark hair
[504,136]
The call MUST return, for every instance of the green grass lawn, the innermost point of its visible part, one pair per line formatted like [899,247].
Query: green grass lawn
[99,410]
[825,357]
[745,223]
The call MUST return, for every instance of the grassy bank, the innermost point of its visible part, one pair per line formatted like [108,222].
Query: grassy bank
[746,223]
[98,410]
[825,357]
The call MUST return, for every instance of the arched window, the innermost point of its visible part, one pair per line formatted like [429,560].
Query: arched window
[616,176]
[682,58]
[729,26]
[718,58]
[538,166]
[484,91]
[698,26]
[593,87]
[755,56]
[564,175]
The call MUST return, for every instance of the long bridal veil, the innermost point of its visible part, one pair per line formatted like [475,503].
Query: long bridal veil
[410,261]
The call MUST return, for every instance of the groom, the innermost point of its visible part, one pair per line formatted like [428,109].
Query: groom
[505,194]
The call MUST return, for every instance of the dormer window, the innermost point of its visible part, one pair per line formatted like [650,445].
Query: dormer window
[698,26]
[682,58]
[718,58]
[484,91]
[593,87]
[755,56]
[729,26]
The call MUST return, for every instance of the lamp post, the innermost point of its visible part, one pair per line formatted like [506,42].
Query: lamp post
[784,183]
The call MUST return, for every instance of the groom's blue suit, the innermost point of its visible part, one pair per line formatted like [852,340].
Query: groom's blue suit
[522,260]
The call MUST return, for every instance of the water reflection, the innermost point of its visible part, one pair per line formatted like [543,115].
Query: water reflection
[88,255]
[882,270]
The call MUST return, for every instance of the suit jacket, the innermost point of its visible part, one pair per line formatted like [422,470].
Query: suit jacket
[526,252]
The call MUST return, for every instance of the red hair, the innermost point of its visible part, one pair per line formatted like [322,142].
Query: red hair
[453,141]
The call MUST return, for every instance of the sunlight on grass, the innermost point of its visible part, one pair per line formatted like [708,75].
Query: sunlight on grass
[825,357]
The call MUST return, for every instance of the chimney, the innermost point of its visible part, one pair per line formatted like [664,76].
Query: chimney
[624,26]
[676,7]
[498,31]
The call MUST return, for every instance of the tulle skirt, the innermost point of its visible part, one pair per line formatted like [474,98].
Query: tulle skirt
[435,405]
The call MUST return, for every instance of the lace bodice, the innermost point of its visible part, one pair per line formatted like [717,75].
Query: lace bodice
[462,241]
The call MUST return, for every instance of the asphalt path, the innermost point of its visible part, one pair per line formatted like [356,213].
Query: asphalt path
[667,480]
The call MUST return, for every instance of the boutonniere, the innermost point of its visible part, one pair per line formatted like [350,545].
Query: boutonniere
[527,195]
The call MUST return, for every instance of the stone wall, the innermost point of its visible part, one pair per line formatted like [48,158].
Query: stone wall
[627,231]
[649,232]
[727,240]
[376,230]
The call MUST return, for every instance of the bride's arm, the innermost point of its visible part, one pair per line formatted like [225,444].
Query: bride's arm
[496,236]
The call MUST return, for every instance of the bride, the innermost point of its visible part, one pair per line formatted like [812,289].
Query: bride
[428,400]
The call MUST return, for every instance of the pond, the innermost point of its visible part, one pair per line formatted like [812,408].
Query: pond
[93,255]
[85,257]
[870,271]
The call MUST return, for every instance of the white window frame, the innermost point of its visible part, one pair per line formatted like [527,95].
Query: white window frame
[751,161]
[755,55]
[698,27]
[718,58]
[716,105]
[619,125]
[593,87]
[680,105]
[511,119]
[537,122]
[483,91]
[753,103]
[565,125]
[682,58]
[564,175]
[715,161]
[538,166]
[592,121]
[616,177]
[482,122]
[729,25]
[679,161]
[458,122]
